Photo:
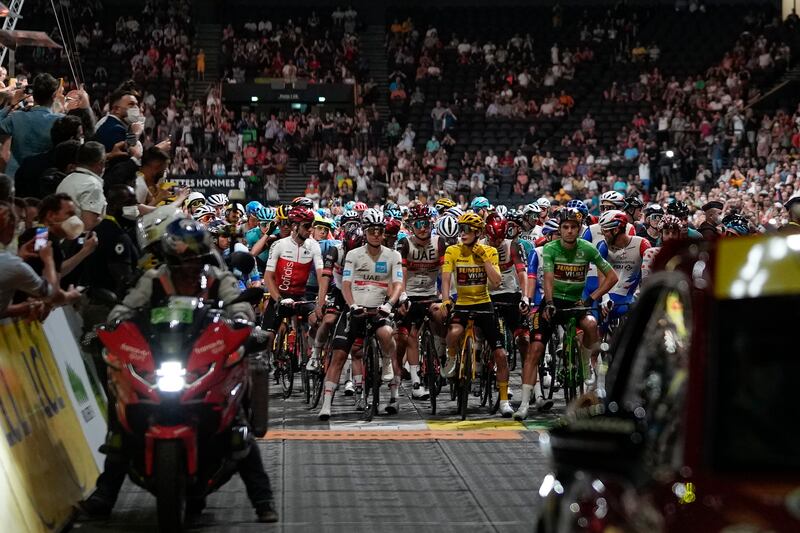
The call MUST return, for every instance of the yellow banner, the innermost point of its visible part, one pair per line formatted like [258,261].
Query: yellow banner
[46,464]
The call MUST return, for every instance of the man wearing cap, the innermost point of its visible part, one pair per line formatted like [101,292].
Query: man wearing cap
[710,227]
[792,206]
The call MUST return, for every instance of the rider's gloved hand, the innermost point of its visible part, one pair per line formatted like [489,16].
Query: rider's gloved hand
[479,252]
[524,305]
[386,309]
[287,301]
[549,311]
[356,309]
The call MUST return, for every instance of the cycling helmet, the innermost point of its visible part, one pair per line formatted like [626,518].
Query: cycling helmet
[322,222]
[265,214]
[242,264]
[420,212]
[282,213]
[353,238]
[235,207]
[632,203]
[252,207]
[670,222]
[194,200]
[185,240]
[217,200]
[653,209]
[481,202]
[303,201]
[501,210]
[203,211]
[403,211]
[496,227]
[393,226]
[678,209]
[543,203]
[612,197]
[611,220]
[515,216]
[533,208]
[371,218]
[551,226]
[349,205]
[567,214]
[350,216]
[443,204]
[794,199]
[393,213]
[390,205]
[737,224]
[218,228]
[580,206]
[454,212]
[472,220]
[150,228]
[447,227]
[360,207]
[301,215]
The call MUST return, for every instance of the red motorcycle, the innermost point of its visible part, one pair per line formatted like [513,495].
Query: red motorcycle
[181,380]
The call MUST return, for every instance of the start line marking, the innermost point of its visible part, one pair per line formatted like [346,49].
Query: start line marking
[384,435]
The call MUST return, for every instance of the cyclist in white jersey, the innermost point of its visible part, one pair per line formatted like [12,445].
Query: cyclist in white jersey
[625,253]
[373,278]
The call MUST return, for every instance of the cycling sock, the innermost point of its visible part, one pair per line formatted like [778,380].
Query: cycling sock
[394,387]
[414,371]
[330,386]
[537,391]
[358,380]
[503,386]
[527,390]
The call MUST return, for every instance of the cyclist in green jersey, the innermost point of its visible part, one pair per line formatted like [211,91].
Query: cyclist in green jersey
[566,263]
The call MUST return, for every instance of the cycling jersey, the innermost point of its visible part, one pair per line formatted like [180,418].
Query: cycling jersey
[627,263]
[570,267]
[252,237]
[527,248]
[536,274]
[470,274]
[333,264]
[648,259]
[422,263]
[642,232]
[324,246]
[371,278]
[292,263]
[510,260]
[594,235]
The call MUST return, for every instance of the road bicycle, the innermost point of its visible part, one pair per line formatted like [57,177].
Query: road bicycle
[373,356]
[466,362]
[429,358]
[290,349]
[572,372]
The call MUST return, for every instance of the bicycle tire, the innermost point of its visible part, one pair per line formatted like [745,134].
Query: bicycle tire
[305,377]
[318,377]
[283,364]
[511,350]
[466,382]
[549,368]
[429,360]
[572,352]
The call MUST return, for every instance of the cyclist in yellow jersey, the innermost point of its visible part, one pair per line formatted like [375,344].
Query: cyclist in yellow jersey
[476,267]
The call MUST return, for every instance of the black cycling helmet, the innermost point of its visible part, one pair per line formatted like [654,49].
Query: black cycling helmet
[241,264]
[678,209]
[570,213]
[632,203]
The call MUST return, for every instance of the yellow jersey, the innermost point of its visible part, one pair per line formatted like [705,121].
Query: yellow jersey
[470,274]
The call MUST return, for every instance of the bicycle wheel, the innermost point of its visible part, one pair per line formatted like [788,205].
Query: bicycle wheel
[571,364]
[318,376]
[430,360]
[465,383]
[283,363]
[548,370]
[372,369]
[305,376]
[511,349]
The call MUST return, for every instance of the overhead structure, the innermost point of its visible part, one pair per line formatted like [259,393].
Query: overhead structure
[11,13]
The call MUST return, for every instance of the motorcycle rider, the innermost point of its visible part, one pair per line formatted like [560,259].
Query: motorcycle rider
[189,270]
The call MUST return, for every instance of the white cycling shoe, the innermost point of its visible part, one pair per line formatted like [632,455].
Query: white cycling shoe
[543,404]
[418,392]
[522,413]
[505,409]
[349,388]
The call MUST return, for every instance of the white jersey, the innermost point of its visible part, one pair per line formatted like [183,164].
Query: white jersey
[292,264]
[647,261]
[372,278]
[594,234]
[422,263]
[627,263]
[511,260]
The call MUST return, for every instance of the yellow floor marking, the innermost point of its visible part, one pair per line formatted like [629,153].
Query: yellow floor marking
[439,434]
[471,425]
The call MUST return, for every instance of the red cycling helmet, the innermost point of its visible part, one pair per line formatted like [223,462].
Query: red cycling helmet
[496,227]
[353,238]
[300,215]
[360,206]
[392,227]
[420,212]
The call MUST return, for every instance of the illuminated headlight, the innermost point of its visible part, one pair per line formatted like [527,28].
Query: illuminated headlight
[171,377]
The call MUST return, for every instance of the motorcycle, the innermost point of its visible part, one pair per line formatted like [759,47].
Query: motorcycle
[181,381]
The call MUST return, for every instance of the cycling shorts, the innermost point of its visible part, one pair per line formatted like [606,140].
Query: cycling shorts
[273,316]
[486,323]
[543,329]
[351,329]
[418,307]
[508,310]
[334,301]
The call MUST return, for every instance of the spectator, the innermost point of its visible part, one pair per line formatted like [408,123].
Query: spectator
[27,180]
[85,185]
[201,65]
[124,116]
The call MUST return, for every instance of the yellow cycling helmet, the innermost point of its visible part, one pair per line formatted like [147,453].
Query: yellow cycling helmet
[472,220]
[282,213]
[443,204]
[320,221]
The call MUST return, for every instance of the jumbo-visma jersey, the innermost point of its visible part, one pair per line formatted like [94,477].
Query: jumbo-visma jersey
[470,274]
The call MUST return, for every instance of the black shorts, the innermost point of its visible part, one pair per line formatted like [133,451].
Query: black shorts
[543,329]
[334,301]
[417,310]
[485,322]
[506,306]
[350,329]
[272,317]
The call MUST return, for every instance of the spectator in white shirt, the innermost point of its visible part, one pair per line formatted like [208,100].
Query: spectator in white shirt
[85,184]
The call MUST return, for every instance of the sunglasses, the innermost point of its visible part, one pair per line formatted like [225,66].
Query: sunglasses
[285,223]
[196,203]
[375,230]
[306,225]
[420,224]
[463,228]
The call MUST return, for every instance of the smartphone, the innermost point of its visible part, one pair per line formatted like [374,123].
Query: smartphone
[130,139]
[40,240]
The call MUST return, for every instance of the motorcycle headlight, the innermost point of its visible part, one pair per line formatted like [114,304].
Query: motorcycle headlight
[171,376]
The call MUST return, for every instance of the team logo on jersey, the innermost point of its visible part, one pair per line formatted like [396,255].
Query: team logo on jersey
[347,272]
[381,267]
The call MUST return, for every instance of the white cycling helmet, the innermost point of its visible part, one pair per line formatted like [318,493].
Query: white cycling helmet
[612,219]
[501,210]
[534,208]
[612,197]
[447,227]
[372,217]
[202,211]
[194,197]
[217,200]
[543,202]
[152,226]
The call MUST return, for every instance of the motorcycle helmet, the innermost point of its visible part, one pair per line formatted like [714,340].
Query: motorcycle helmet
[150,228]
[186,243]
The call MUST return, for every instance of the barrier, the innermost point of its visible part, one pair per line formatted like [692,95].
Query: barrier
[46,463]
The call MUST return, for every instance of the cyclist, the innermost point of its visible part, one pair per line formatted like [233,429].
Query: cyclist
[447,228]
[204,214]
[350,219]
[566,263]
[422,255]
[284,230]
[480,206]
[792,207]
[320,232]
[632,207]
[443,204]
[391,232]
[372,277]
[290,262]
[736,225]
[545,206]
[532,219]
[193,201]
[609,201]
[218,202]
[652,218]
[514,229]
[670,228]
[681,210]
[474,265]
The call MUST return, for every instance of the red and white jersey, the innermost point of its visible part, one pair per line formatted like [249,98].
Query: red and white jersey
[648,259]
[292,264]
[510,258]
[627,263]
[372,278]
[594,234]
[422,263]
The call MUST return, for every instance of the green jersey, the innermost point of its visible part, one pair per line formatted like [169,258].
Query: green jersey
[570,267]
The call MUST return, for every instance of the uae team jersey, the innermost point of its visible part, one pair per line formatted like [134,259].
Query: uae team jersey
[570,267]
[470,274]
[292,263]
[371,278]
[422,263]
[510,259]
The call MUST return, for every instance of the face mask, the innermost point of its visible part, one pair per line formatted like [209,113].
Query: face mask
[134,114]
[72,227]
[131,212]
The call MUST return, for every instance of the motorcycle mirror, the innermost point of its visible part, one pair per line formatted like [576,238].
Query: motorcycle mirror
[253,296]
